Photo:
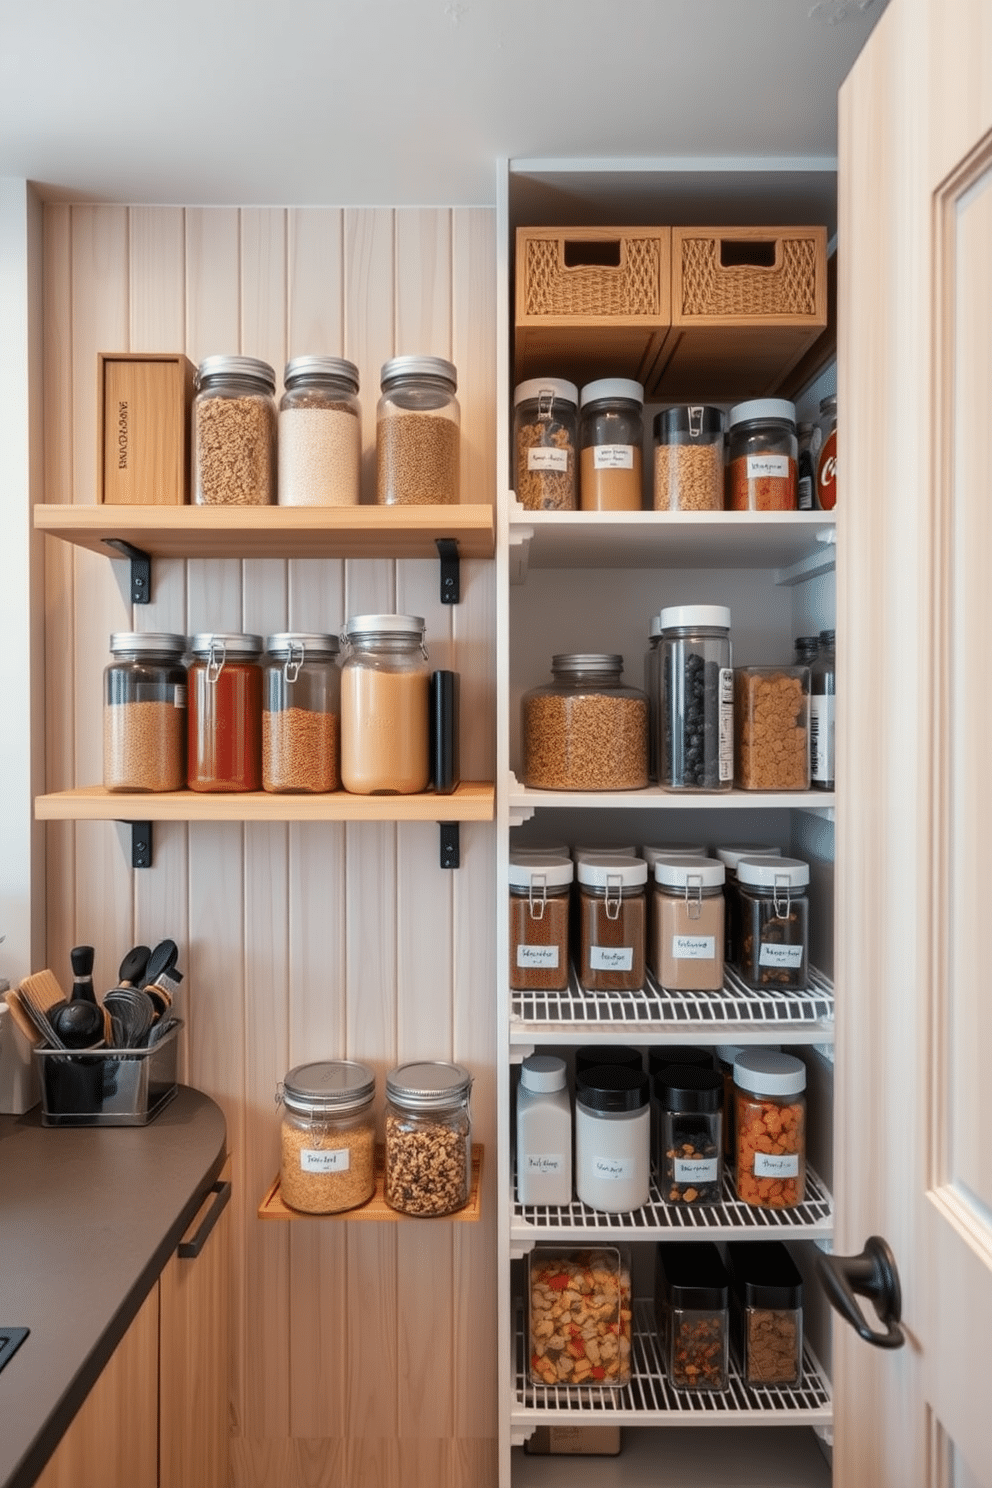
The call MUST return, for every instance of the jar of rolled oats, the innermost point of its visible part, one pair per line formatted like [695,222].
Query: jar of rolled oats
[428,1138]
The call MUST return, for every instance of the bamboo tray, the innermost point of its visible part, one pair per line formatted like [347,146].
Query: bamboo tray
[272,1206]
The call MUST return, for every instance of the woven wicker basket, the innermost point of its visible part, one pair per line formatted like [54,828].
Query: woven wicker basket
[712,279]
[593,274]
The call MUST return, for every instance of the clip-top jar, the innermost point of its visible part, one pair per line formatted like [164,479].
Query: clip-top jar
[385,712]
[774,937]
[696,748]
[417,433]
[688,459]
[612,923]
[234,432]
[763,456]
[545,436]
[539,901]
[328,1136]
[428,1138]
[320,433]
[688,924]
[225,712]
[144,712]
[585,730]
[611,433]
[301,713]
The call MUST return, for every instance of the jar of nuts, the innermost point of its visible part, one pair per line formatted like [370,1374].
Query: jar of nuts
[417,433]
[328,1136]
[144,713]
[428,1138]
[301,713]
[234,432]
[770,1115]
[688,459]
[545,436]
[586,730]
[320,433]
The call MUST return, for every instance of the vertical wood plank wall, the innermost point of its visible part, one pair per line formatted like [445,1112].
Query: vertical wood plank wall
[363,1354]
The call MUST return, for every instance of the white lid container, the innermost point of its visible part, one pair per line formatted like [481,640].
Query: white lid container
[683,617]
[689,872]
[607,872]
[772,872]
[549,871]
[764,1072]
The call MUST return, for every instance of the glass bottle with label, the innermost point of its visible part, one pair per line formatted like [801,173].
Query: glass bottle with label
[696,745]
[612,1138]
[612,923]
[545,435]
[686,954]
[611,434]
[544,1132]
[689,1156]
[770,1111]
[826,467]
[144,712]
[328,1137]
[539,900]
[774,940]
[823,697]
[762,456]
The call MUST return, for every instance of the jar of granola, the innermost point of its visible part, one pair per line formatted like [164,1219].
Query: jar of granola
[774,942]
[428,1138]
[234,432]
[770,1113]
[328,1136]
[545,436]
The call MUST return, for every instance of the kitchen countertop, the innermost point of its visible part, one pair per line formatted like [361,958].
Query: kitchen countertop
[88,1219]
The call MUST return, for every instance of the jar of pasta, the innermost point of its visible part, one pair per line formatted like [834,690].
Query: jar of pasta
[301,713]
[328,1136]
[688,459]
[225,712]
[539,899]
[545,436]
[763,454]
[611,433]
[770,1116]
[234,432]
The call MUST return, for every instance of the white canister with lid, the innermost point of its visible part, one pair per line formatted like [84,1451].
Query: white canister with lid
[544,1132]
[613,1138]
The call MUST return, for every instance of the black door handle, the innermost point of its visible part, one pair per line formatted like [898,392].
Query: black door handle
[871,1274]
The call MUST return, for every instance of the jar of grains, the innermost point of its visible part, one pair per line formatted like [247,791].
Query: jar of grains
[692,1312]
[763,456]
[771,728]
[428,1138]
[689,1155]
[613,1138]
[301,713]
[320,433]
[585,730]
[774,944]
[225,713]
[687,952]
[688,459]
[234,432]
[328,1137]
[539,896]
[417,433]
[770,1116]
[696,748]
[612,923]
[144,713]
[385,712]
[545,434]
[611,433]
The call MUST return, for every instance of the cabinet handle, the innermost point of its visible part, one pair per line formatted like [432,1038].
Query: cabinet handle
[190,1249]
[871,1274]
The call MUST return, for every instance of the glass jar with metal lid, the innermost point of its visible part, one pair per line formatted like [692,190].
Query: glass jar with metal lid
[688,459]
[385,713]
[225,712]
[417,433]
[770,1116]
[301,713]
[545,437]
[428,1138]
[611,433]
[234,432]
[774,946]
[539,901]
[612,920]
[687,952]
[320,433]
[763,456]
[696,747]
[585,730]
[144,712]
[328,1136]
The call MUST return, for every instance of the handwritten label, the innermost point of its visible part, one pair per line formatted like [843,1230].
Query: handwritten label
[693,947]
[613,457]
[763,467]
[312,1160]
[530,956]
[696,1169]
[613,1168]
[776,1165]
[547,459]
[544,1162]
[611,958]
[780,955]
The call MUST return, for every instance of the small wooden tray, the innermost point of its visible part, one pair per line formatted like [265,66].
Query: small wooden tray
[272,1206]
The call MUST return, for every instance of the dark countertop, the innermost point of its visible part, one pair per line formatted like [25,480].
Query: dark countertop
[88,1219]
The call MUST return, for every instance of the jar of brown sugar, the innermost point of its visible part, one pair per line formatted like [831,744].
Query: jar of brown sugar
[234,432]
[763,456]
[611,433]
[301,713]
[144,713]
[417,433]
[585,730]
[539,899]
[612,921]
[385,710]
[328,1136]
[688,921]
[545,436]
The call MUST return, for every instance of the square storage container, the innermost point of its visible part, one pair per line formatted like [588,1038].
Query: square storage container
[108,1087]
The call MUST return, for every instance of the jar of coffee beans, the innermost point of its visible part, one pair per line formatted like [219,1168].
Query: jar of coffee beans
[301,713]
[696,712]
[688,459]
[585,730]
[545,433]
[144,713]
[320,433]
[417,433]
[234,432]
[428,1138]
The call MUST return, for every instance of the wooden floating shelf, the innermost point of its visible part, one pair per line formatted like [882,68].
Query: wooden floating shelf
[272,1206]
[471,801]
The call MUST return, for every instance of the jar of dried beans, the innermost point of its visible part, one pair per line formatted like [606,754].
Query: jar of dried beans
[545,434]
[696,712]
[774,922]
[611,433]
[144,712]
[692,1311]
[612,1138]
[225,713]
[766,1313]
[585,730]
[688,459]
[417,433]
[689,1152]
[612,923]
[320,433]
[328,1136]
[770,1115]
[771,728]
[763,456]
[385,708]
[301,713]
[428,1138]
[580,1317]
[539,899]
[686,954]
[234,432]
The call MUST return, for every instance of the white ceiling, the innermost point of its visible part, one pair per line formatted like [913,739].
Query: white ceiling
[403,102]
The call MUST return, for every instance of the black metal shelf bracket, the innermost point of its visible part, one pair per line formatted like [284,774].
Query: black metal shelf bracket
[447,548]
[141,843]
[141,568]
[451,856]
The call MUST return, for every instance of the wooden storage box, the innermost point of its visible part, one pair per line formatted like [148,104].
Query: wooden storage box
[143,413]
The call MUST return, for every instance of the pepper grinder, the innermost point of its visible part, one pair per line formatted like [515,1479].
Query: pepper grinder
[82,968]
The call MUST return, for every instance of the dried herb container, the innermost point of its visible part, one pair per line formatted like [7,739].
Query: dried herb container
[144,712]
[320,433]
[234,432]
[692,1311]
[385,706]
[766,1313]
[301,713]
[613,1138]
[418,433]
[763,456]
[428,1138]
[696,748]
[539,902]
[585,730]
[328,1137]
[580,1295]
[686,954]
[770,1116]
[225,712]
[688,459]
[689,1151]
[771,728]
[612,923]
[774,922]
[611,433]
[545,437]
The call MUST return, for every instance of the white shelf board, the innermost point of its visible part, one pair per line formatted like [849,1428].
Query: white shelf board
[691,1457]
[524,802]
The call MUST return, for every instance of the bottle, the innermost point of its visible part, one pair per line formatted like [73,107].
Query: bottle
[806,469]
[385,710]
[234,432]
[612,1138]
[418,433]
[225,712]
[762,456]
[696,747]
[544,1132]
[826,469]
[320,433]
[144,712]
[301,713]
[545,437]
[823,689]
[611,433]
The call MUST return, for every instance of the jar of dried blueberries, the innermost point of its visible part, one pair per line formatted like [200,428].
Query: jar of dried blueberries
[428,1138]
[696,712]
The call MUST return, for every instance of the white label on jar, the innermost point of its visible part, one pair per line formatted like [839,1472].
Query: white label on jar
[726,723]
[537,956]
[547,459]
[179,695]
[613,1168]
[696,1169]
[821,737]
[776,1165]
[611,958]
[780,955]
[613,457]
[544,1162]
[312,1160]
[693,947]
[760,467]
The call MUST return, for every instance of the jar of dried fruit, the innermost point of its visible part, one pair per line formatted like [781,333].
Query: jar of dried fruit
[586,730]
[144,712]
[234,432]
[774,941]
[328,1136]
[428,1138]
[545,436]
[763,456]
[417,433]
[611,433]
[320,433]
[689,1152]
[688,459]
[539,900]
[301,713]
[225,712]
[770,1116]
[692,1312]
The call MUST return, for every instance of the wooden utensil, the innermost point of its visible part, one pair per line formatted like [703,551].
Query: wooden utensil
[20,1015]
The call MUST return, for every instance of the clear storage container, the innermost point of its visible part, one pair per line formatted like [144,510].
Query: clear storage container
[612,923]
[234,432]
[144,712]
[539,902]
[385,706]
[585,730]
[327,1137]
[686,954]
[770,1116]
[730,857]
[546,440]
[771,728]
[301,713]
[692,1311]
[696,747]
[580,1295]
[774,922]
[612,1138]
[689,1152]
[763,456]
[766,1313]
[418,433]
[688,459]
[544,1132]
[320,433]
[611,434]
[428,1138]
[225,712]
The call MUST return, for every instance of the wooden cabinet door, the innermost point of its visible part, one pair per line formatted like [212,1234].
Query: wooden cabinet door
[914,1018]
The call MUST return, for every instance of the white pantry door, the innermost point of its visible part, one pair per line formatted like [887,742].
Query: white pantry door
[914,823]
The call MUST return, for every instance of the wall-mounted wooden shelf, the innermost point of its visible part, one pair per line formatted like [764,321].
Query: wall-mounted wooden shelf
[272,1206]
[471,801]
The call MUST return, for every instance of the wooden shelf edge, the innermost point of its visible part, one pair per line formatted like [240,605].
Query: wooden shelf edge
[472,801]
[272,1206]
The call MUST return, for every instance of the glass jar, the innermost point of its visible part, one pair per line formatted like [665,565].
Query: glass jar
[301,713]
[612,1138]
[766,1313]
[692,1311]
[771,728]
[539,896]
[428,1138]
[417,433]
[822,705]
[762,456]
[688,459]
[328,1137]
[320,433]
[686,954]
[612,923]
[774,922]
[544,1132]
[234,432]
[585,730]
[385,708]
[689,1153]
[580,1295]
[225,713]
[725,1056]
[826,468]
[770,1115]
[730,857]
[144,712]
[545,437]
[805,468]
[611,433]
[696,747]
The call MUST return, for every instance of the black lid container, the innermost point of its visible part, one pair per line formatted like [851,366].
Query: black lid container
[612,1087]
[662,1055]
[766,1312]
[591,1055]
[686,1087]
[691,1275]
[692,1292]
